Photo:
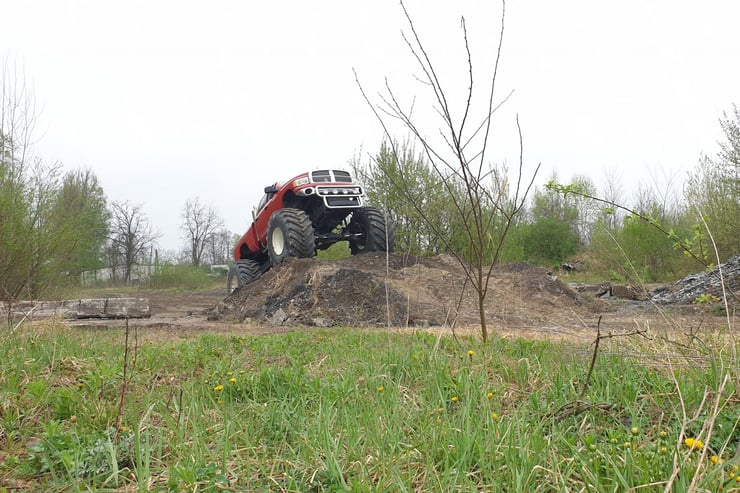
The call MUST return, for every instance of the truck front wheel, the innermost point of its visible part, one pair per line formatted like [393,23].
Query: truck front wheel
[375,231]
[290,234]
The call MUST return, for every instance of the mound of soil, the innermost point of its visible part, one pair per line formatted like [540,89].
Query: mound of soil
[371,289]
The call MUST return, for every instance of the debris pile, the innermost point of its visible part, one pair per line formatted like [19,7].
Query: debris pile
[706,285]
[371,290]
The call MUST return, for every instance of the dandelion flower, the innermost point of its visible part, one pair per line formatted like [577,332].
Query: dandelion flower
[716,460]
[381,389]
[218,388]
[471,352]
[489,395]
[454,398]
[663,434]
[494,416]
[229,373]
[694,443]
[635,430]
[232,380]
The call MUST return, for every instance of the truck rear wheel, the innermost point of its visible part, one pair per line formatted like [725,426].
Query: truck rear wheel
[290,234]
[376,231]
[242,272]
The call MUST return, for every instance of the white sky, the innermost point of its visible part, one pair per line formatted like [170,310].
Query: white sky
[171,100]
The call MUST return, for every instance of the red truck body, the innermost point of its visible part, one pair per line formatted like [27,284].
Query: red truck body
[332,189]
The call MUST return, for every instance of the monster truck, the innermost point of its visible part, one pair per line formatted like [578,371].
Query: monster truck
[310,212]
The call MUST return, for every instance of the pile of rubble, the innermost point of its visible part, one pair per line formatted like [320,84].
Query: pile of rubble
[718,283]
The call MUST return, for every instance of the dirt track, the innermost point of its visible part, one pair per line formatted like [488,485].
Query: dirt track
[415,294]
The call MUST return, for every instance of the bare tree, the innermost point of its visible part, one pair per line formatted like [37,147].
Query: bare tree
[485,200]
[131,235]
[613,193]
[200,222]
[17,115]
[218,247]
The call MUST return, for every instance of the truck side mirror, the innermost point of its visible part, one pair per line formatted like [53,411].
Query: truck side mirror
[271,189]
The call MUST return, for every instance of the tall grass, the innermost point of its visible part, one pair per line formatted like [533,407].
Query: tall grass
[354,410]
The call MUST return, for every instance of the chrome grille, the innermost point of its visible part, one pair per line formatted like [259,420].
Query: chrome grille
[330,175]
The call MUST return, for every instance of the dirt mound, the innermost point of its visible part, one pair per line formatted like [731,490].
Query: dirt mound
[689,289]
[368,290]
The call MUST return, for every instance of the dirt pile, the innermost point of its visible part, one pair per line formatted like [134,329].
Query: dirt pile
[709,283]
[368,290]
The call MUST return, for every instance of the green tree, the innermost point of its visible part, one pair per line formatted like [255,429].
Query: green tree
[51,226]
[713,191]
[548,241]
[80,211]
[405,185]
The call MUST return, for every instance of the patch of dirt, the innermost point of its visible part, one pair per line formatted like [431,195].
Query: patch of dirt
[414,293]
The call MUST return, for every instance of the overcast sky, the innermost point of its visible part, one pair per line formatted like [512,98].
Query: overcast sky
[171,100]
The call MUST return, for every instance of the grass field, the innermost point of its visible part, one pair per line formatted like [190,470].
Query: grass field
[360,410]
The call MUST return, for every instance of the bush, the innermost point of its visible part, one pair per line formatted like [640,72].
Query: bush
[549,241]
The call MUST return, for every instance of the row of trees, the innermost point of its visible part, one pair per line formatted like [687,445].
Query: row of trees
[54,225]
[556,226]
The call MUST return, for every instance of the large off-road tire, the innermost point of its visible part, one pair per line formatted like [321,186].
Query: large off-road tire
[290,234]
[377,233]
[242,272]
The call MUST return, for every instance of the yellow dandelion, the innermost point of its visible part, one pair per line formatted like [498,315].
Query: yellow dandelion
[218,388]
[439,421]
[381,389]
[471,352]
[694,443]
[124,428]
[441,410]
[232,380]
[635,430]
[454,398]
[663,450]
[489,395]
[494,416]
[229,373]
[716,460]
[663,434]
